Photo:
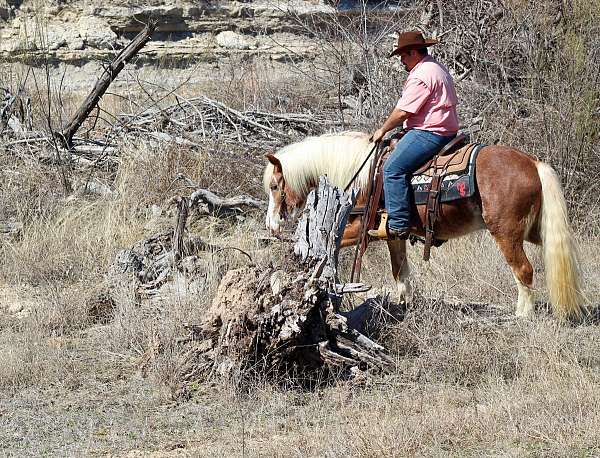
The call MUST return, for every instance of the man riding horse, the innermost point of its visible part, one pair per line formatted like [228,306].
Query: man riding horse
[428,108]
[513,195]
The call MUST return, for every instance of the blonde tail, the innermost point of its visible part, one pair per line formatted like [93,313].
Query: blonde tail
[560,255]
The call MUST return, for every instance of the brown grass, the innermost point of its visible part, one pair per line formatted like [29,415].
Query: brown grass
[471,379]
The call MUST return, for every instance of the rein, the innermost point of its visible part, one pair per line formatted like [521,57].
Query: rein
[361,167]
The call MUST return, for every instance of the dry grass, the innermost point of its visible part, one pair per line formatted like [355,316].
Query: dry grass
[471,380]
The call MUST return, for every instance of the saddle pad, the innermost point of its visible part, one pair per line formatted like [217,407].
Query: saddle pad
[455,185]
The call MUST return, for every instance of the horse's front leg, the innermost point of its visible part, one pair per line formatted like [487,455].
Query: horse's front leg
[400,269]
[351,232]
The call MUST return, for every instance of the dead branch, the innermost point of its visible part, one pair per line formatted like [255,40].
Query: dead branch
[110,73]
[15,112]
[216,205]
[182,214]
[201,118]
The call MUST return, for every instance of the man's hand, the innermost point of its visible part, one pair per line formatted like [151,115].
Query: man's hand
[395,119]
[377,136]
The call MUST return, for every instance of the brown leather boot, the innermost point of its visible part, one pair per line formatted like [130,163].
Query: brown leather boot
[383,232]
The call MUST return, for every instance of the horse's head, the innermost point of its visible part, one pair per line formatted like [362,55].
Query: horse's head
[284,202]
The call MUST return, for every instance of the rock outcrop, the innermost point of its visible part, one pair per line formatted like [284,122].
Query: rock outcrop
[79,30]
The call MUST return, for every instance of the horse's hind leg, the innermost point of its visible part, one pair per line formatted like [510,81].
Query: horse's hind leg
[510,191]
[400,269]
[512,249]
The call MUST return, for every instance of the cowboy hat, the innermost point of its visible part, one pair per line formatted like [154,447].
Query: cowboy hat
[411,40]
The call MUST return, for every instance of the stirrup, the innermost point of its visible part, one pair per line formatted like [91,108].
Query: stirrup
[381,232]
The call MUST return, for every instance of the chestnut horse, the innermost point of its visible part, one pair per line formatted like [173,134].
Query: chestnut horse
[518,199]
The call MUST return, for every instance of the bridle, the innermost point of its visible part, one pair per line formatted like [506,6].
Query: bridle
[283,211]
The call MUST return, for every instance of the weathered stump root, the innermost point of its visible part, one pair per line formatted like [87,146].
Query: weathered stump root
[278,321]
[249,329]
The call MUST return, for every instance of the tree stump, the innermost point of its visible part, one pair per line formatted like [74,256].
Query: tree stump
[282,321]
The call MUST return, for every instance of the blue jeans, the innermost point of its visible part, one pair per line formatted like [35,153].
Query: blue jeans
[411,152]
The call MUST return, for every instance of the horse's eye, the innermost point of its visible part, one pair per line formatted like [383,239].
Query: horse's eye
[274,187]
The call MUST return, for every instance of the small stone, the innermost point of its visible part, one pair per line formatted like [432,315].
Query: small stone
[58,43]
[232,40]
[15,307]
[156,211]
[76,44]
[95,187]
[23,314]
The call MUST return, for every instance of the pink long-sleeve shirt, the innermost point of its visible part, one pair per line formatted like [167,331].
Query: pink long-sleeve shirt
[429,94]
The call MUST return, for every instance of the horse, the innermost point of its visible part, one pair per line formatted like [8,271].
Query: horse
[518,199]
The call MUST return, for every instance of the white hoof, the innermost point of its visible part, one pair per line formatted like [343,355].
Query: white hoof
[525,312]
[404,293]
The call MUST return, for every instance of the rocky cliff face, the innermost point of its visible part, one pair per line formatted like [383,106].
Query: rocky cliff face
[81,30]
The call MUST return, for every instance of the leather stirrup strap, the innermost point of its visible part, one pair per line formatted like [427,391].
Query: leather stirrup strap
[431,213]
[376,195]
[432,209]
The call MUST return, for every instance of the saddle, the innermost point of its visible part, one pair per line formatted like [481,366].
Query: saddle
[453,157]
[447,176]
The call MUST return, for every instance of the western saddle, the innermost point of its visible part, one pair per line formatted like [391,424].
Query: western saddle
[452,158]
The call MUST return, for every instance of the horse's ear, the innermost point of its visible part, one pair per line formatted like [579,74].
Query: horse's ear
[276,162]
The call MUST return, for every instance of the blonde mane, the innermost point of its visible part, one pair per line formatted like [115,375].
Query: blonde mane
[338,156]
